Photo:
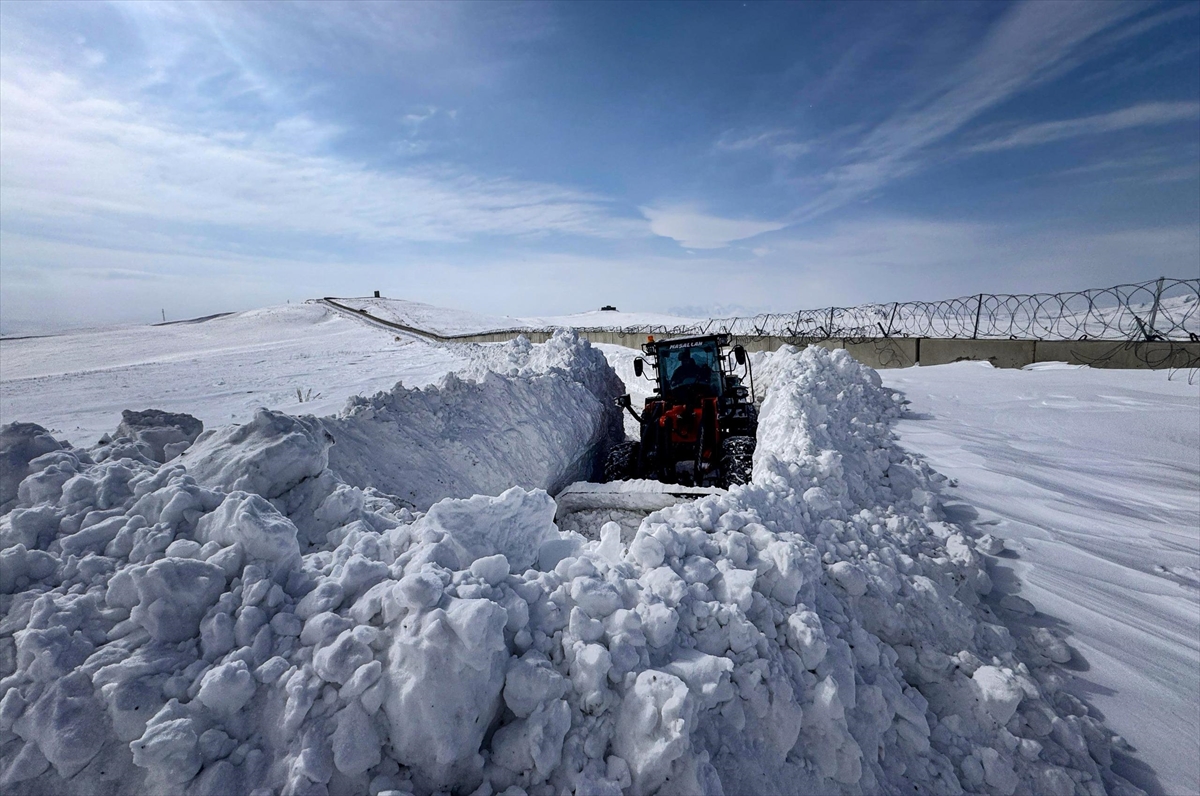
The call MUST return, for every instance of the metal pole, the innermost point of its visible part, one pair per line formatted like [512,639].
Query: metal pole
[978,307]
[1154,310]
[829,330]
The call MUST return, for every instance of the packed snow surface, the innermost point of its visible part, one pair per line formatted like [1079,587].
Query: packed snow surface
[1088,482]
[246,618]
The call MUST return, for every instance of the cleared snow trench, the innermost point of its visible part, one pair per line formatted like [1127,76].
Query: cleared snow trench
[269,614]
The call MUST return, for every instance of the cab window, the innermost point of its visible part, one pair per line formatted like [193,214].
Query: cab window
[691,367]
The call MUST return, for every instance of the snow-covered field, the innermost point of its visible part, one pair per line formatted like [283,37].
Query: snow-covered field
[220,370]
[290,606]
[1093,479]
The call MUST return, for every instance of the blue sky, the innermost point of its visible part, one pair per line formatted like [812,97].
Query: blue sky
[550,158]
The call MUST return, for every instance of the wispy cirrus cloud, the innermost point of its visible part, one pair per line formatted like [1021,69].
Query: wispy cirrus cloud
[1147,114]
[80,161]
[1031,44]
[780,142]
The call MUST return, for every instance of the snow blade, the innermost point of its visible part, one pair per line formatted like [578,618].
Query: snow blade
[583,504]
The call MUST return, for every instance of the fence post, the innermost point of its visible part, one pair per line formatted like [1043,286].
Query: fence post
[978,307]
[1152,332]
[829,333]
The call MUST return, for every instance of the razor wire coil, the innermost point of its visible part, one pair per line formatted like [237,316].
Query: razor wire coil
[1154,321]
[1158,310]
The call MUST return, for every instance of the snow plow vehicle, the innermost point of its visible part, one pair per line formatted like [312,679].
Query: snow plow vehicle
[696,437]
[698,427]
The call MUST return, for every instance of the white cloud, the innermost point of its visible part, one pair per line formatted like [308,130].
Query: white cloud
[82,162]
[778,142]
[696,230]
[1144,115]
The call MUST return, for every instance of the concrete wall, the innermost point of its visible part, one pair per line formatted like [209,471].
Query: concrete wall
[1119,354]
[903,352]
[898,352]
[1001,353]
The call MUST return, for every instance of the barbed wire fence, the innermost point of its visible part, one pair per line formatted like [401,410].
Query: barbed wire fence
[1159,310]
[1153,321]
[1165,311]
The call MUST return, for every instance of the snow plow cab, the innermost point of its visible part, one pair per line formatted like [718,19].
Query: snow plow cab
[699,426]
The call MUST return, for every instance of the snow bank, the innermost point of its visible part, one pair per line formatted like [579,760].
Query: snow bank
[816,631]
[518,414]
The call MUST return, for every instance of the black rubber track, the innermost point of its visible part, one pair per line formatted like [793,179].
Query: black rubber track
[621,462]
[737,460]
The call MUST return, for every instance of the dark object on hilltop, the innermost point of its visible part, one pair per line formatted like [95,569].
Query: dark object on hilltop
[608,308]
[161,436]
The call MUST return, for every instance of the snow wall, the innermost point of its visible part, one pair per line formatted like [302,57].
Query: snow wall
[816,631]
[520,415]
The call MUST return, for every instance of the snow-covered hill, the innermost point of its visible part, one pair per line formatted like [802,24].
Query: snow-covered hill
[443,321]
[221,370]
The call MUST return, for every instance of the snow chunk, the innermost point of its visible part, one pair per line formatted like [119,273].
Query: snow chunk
[356,744]
[169,747]
[267,456]
[160,435]
[258,526]
[530,682]
[998,772]
[1018,605]
[70,724]
[1000,692]
[990,545]
[653,729]
[849,577]
[492,570]
[337,662]
[818,500]
[596,597]
[534,743]
[514,525]
[20,443]
[1051,645]
[173,595]
[445,674]
[659,623]
[227,688]
[736,586]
